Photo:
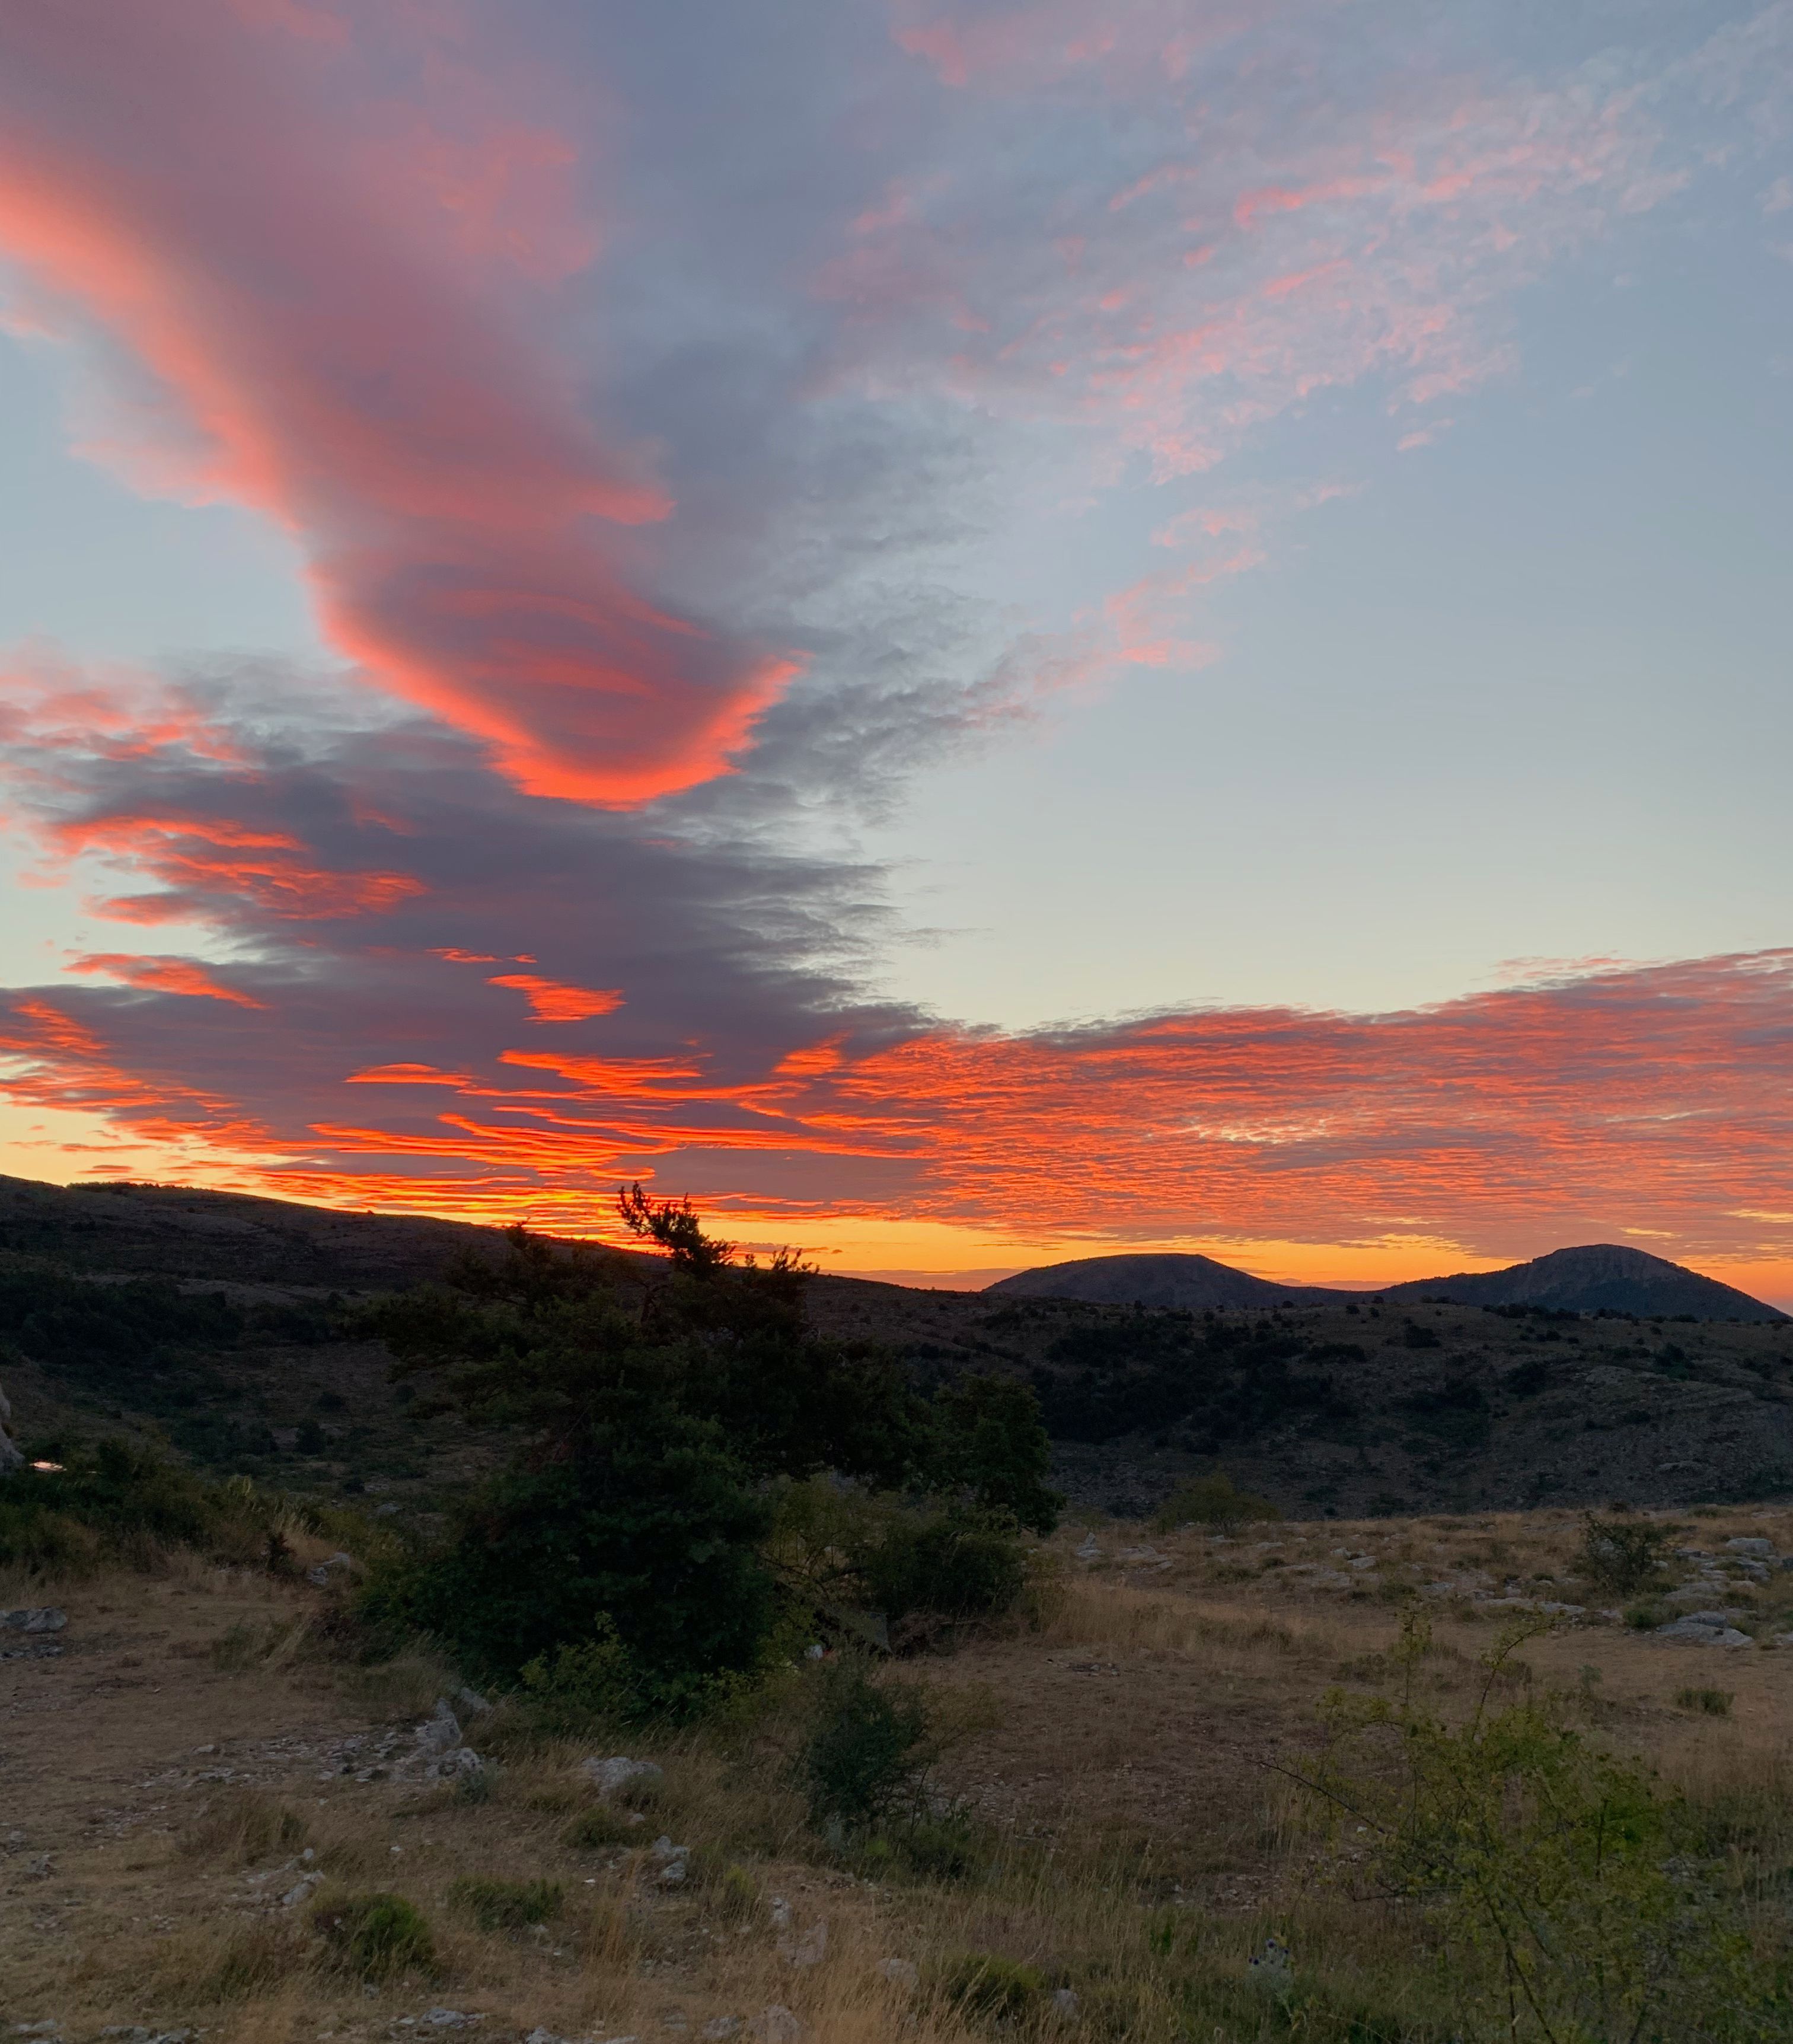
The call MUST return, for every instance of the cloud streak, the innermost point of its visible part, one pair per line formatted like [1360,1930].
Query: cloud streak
[336,304]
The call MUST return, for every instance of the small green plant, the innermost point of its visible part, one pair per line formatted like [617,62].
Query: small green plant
[374,1935]
[1212,1501]
[506,1905]
[869,1746]
[599,1827]
[1713,1703]
[582,1685]
[991,1989]
[1622,1556]
[236,1648]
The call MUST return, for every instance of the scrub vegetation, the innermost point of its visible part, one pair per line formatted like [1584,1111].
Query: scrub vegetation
[917,1760]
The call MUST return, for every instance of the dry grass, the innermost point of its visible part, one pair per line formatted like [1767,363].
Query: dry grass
[1121,1757]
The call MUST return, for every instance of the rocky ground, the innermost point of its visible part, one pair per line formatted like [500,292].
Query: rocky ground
[185,1770]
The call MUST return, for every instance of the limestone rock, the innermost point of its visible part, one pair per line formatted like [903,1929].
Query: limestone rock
[44,1618]
[899,1973]
[1704,1628]
[608,1776]
[1751,1546]
[776,2025]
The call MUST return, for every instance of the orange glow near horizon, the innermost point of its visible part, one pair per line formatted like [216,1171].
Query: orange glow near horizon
[1630,1106]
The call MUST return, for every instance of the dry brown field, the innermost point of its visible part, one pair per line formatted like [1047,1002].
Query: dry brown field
[188,1759]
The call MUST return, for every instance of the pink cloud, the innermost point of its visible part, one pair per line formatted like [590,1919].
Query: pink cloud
[341,300]
[161,975]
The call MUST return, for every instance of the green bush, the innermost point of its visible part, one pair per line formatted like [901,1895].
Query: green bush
[1560,1890]
[1622,1556]
[506,1905]
[116,1500]
[374,1935]
[991,1989]
[866,1751]
[1713,1703]
[597,1828]
[989,1442]
[954,1561]
[1211,1501]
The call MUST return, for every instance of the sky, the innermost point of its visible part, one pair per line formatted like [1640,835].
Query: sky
[973,633]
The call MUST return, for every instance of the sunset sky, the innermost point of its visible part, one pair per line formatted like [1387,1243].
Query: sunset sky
[973,632]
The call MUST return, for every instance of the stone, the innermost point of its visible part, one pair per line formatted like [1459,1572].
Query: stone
[451,2019]
[899,1973]
[810,1950]
[44,1618]
[40,1868]
[1087,1549]
[780,1913]
[776,2024]
[719,2028]
[1704,1628]
[1751,1544]
[1065,2001]
[608,1776]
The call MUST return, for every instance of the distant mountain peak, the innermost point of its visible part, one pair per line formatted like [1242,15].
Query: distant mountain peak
[1591,1277]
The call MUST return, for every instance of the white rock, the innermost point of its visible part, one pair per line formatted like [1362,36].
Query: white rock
[810,1950]
[776,2025]
[899,1973]
[780,1913]
[451,2019]
[1065,2001]
[1701,1628]
[1087,1549]
[719,2028]
[608,1776]
[1751,1546]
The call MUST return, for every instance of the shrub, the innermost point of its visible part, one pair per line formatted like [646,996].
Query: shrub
[954,1561]
[1211,1501]
[647,1546]
[992,1989]
[868,1747]
[1622,1556]
[597,1828]
[118,1500]
[989,1442]
[1562,1890]
[1713,1703]
[241,1826]
[506,1905]
[374,1935]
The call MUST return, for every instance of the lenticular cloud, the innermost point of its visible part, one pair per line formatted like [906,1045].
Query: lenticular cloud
[337,301]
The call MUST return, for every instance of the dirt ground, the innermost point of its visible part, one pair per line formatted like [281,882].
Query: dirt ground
[169,1759]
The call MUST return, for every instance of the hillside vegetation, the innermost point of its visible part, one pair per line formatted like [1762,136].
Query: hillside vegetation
[230,1327]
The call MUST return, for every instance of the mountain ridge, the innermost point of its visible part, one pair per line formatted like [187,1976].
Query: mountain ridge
[1584,1278]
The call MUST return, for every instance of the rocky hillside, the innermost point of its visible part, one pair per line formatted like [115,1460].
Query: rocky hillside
[209,1318]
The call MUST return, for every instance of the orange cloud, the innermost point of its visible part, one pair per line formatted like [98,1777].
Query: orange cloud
[161,975]
[343,332]
[553,1002]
